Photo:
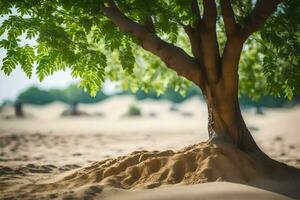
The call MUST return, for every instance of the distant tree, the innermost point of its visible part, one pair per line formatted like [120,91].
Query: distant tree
[7,102]
[34,95]
[202,42]
[133,111]
[71,94]
[263,101]
[74,108]
[169,94]
[19,109]
[75,94]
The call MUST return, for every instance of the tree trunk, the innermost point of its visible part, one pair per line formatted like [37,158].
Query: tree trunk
[74,109]
[19,109]
[226,123]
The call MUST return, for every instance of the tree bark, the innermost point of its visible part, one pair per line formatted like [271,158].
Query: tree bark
[225,120]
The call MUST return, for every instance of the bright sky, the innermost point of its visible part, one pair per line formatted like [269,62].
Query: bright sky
[11,86]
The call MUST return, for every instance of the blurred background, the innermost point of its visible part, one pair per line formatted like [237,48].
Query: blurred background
[54,126]
[61,87]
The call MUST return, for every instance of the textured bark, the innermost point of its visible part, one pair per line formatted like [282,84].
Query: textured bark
[225,121]
[208,36]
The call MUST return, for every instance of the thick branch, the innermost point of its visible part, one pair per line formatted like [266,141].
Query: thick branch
[195,42]
[230,62]
[174,57]
[209,41]
[228,17]
[234,44]
[196,12]
[149,24]
[262,10]
[193,32]
[210,14]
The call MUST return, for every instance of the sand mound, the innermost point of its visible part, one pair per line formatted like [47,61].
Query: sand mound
[198,163]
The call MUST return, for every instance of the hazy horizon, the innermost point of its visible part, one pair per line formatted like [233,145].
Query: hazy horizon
[17,81]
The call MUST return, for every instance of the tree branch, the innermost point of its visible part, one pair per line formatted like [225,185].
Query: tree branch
[193,31]
[210,14]
[196,12]
[149,24]
[209,41]
[233,48]
[262,10]
[234,44]
[230,62]
[228,16]
[174,57]
[194,41]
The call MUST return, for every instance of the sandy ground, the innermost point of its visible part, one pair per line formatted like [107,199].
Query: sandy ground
[45,148]
[210,191]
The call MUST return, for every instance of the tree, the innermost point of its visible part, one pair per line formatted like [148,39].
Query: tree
[19,109]
[70,94]
[35,95]
[200,41]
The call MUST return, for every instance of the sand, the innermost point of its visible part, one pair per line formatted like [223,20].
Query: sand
[209,191]
[101,156]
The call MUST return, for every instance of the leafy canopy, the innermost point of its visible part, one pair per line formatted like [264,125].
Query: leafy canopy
[59,34]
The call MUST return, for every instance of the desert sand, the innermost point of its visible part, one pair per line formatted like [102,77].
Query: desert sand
[105,155]
[211,191]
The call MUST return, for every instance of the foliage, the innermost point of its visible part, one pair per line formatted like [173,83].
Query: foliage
[34,95]
[266,101]
[74,94]
[281,49]
[71,94]
[133,110]
[271,58]
[7,102]
[170,94]
[60,34]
